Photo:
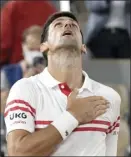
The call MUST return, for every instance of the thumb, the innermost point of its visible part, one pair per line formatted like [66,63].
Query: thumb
[73,94]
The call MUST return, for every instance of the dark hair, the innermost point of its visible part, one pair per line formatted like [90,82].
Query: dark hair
[51,19]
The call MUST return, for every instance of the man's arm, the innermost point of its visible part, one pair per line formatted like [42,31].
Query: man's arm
[39,143]
[42,142]
[20,113]
[22,138]
[112,139]
[113,130]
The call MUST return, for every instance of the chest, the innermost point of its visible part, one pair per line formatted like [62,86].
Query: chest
[53,102]
[51,105]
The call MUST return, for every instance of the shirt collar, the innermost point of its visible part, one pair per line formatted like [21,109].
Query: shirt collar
[87,82]
[51,82]
[48,79]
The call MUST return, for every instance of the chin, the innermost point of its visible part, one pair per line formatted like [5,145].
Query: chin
[68,45]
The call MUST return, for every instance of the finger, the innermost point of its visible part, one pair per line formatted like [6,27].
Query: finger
[73,94]
[94,98]
[101,102]
[100,112]
[101,107]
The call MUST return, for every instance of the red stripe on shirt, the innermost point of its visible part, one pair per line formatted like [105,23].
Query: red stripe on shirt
[117,125]
[81,128]
[100,122]
[92,122]
[21,102]
[90,129]
[114,123]
[84,129]
[18,108]
[43,122]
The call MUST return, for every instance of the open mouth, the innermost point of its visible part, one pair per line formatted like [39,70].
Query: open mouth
[66,33]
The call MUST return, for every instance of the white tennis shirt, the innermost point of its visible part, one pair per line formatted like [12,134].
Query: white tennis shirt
[33,103]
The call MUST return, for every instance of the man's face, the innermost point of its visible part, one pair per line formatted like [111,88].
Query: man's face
[32,42]
[64,32]
[31,48]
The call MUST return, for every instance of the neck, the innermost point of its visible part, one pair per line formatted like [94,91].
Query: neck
[66,67]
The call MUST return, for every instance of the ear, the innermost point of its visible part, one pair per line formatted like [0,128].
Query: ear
[44,47]
[83,49]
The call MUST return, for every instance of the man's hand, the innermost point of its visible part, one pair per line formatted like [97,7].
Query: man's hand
[86,109]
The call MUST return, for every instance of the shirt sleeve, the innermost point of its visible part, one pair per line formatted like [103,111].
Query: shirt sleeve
[20,108]
[113,130]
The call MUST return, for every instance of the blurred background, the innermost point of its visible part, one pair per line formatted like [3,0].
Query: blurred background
[106,28]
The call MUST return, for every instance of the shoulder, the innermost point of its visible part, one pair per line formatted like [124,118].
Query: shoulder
[24,89]
[112,96]
[106,92]
[23,84]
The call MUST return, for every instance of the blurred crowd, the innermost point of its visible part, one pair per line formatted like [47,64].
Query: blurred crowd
[107,35]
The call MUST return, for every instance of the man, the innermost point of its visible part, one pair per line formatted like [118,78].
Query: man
[16,16]
[33,62]
[32,58]
[62,112]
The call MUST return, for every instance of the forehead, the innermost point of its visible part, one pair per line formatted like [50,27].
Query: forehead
[32,37]
[64,18]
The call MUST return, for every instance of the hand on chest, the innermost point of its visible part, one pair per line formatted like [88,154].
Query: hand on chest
[56,103]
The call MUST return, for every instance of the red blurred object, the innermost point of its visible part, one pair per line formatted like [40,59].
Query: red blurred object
[16,16]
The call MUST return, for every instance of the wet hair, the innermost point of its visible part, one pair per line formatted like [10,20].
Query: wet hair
[54,17]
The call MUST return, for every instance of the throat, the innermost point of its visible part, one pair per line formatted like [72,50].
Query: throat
[72,77]
[66,67]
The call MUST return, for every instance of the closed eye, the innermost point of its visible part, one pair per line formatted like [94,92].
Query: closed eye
[58,24]
[74,25]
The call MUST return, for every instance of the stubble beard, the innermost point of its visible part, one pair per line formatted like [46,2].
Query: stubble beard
[66,58]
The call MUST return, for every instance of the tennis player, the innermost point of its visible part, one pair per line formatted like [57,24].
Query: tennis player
[61,111]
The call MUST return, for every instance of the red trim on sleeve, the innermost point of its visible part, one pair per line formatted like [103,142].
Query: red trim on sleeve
[115,125]
[18,108]
[111,130]
[17,101]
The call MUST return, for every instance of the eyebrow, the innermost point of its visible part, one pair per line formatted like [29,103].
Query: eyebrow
[61,19]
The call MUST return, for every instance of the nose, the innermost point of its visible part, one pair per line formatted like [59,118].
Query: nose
[68,24]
